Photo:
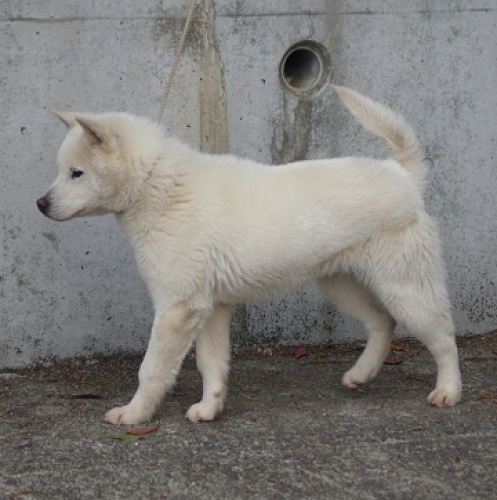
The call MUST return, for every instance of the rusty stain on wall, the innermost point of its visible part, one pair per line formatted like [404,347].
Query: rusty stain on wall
[198,99]
[213,121]
[290,141]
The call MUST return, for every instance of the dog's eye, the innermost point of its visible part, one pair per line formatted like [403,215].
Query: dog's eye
[76,173]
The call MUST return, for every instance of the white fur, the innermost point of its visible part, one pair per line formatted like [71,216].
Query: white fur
[211,231]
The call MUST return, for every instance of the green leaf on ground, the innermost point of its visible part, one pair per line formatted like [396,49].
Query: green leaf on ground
[130,438]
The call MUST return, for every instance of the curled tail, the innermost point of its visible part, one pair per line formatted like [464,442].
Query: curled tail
[386,124]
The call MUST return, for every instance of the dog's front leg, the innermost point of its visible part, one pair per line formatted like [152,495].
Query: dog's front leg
[173,332]
[213,357]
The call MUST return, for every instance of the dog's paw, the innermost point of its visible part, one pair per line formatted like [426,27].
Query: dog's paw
[126,415]
[357,376]
[203,412]
[445,396]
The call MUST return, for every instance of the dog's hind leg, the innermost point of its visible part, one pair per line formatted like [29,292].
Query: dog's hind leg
[213,357]
[430,321]
[352,298]
[408,277]
[173,333]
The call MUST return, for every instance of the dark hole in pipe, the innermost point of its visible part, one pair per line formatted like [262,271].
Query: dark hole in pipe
[302,69]
[305,68]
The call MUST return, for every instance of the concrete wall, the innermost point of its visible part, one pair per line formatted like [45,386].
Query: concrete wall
[73,289]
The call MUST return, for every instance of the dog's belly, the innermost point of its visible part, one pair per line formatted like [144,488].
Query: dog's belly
[255,292]
[240,282]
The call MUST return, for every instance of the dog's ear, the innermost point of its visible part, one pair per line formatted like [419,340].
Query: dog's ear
[95,130]
[66,117]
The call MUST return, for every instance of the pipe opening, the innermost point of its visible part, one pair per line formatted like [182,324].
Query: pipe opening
[305,68]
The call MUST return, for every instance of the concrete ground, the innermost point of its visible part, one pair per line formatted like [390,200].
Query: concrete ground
[289,431]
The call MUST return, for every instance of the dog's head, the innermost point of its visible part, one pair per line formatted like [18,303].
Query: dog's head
[97,172]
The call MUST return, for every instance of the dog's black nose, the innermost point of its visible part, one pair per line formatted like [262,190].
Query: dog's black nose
[42,204]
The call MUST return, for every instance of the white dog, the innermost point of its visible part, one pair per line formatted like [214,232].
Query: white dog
[212,231]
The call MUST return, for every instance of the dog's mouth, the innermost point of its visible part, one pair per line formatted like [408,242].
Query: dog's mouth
[45,206]
[76,214]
